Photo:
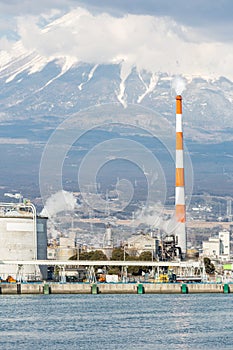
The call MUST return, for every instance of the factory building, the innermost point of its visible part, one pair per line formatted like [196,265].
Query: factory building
[219,247]
[138,244]
[224,249]
[23,236]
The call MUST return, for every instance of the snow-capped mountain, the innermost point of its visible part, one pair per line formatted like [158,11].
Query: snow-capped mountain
[35,86]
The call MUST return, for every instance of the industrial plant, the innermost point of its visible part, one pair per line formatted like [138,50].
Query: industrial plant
[29,253]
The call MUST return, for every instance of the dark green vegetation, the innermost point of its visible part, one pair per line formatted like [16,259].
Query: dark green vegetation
[209,266]
[93,255]
[119,255]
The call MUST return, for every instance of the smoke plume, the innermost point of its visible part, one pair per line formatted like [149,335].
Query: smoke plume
[178,84]
[58,202]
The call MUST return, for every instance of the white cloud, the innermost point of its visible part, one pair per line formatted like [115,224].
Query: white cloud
[146,42]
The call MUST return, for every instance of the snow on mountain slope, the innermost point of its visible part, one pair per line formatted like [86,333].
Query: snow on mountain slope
[35,85]
[61,90]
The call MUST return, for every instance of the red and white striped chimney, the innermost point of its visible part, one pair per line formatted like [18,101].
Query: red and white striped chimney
[180,230]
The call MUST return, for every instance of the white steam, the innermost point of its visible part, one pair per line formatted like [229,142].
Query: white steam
[153,217]
[150,216]
[58,202]
[178,84]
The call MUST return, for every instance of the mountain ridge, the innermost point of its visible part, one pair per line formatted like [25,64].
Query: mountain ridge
[36,86]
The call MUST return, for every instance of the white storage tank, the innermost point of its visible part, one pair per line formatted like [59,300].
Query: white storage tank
[23,236]
[66,249]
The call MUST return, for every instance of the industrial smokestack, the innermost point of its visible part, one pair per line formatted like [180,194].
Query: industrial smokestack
[108,236]
[180,230]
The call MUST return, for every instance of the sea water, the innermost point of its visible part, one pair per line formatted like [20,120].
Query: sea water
[149,321]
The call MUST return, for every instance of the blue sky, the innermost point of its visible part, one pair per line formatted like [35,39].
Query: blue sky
[184,36]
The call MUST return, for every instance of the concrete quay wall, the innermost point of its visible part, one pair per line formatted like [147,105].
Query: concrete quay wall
[114,288]
[207,288]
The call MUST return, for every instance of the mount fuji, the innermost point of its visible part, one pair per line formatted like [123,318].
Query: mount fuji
[40,91]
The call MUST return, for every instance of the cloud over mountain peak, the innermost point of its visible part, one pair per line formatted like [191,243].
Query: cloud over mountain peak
[156,44]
